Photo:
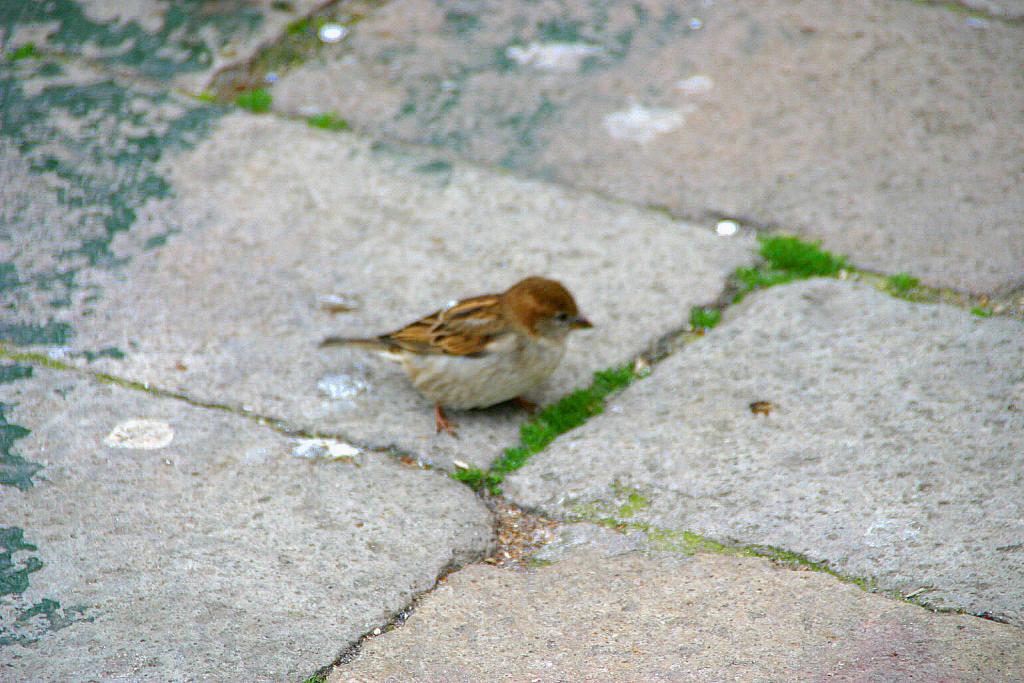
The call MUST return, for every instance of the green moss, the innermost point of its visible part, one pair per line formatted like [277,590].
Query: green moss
[328,121]
[635,502]
[558,418]
[257,101]
[787,259]
[704,318]
[474,477]
[982,312]
[318,677]
[26,51]
[902,285]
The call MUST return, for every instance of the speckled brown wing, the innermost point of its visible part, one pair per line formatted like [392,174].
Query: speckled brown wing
[460,330]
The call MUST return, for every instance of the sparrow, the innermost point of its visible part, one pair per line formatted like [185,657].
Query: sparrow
[484,350]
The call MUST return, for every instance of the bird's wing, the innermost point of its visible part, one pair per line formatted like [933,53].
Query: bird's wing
[463,329]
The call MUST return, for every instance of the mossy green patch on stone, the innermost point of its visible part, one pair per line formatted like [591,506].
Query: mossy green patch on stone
[257,101]
[982,312]
[26,51]
[14,577]
[14,470]
[96,146]
[27,334]
[460,21]
[787,259]
[25,622]
[328,121]
[902,285]
[108,352]
[703,318]
[436,166]
[185,39]
[560,30]
[536,433]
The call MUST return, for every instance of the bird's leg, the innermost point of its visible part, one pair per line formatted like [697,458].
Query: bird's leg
[442,422]
[528,406]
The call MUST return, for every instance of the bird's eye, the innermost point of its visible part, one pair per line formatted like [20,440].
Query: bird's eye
[562,317]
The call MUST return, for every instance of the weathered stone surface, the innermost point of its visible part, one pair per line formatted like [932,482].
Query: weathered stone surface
[185,42]
[638,617]
[196,546]
[888,128]
[79,165]
[894,450]
[280,215]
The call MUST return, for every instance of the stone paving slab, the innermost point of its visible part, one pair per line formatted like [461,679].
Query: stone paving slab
[600,616]
[280,215]
[887,128]
[181,43]
[197,546]
[893,450]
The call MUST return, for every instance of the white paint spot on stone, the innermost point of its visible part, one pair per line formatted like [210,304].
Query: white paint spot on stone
[696,24]
[140,434]
[698,84]
[640,124]
[552,56]
[332,33]
[323,448]
[727,228]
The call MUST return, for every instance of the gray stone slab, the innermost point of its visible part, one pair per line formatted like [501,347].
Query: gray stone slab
[636,617]
[182,43]
[197,546]
[281,215]
[894,450]
[887,128]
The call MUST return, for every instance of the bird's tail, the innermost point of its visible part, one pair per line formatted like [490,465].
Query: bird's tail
[371,344]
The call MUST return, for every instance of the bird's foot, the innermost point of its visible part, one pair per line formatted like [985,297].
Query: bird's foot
[441,422]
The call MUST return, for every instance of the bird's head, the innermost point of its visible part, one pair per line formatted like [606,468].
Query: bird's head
[540,307]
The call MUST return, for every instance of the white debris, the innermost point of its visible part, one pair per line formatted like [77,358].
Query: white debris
[141,434]
[323,448]
[332,32]
[552,56]
[727,228]
[640,124]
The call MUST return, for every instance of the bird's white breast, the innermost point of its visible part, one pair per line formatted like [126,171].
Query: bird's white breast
[511,366]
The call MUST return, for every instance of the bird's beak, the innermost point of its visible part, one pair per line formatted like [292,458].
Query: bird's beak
[580,323]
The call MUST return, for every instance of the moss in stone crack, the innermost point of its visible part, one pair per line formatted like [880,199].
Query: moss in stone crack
[982,312]
[328,121]
[557,418]
[257,101]
[474,477]
[318,677]
[902,285]
[26,51]
[787,259]
[702,318]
